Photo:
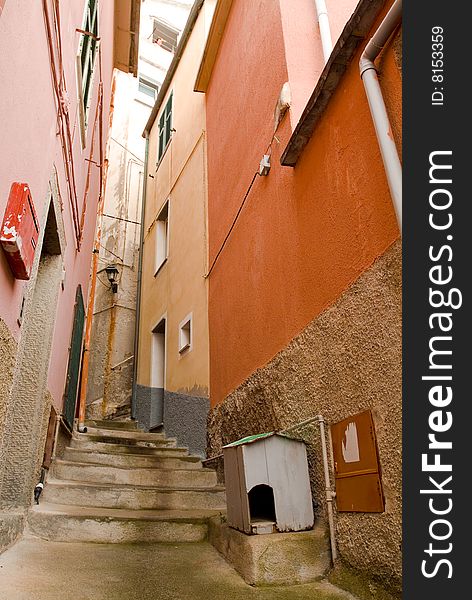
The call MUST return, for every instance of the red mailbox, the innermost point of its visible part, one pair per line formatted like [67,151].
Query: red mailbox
[20,231]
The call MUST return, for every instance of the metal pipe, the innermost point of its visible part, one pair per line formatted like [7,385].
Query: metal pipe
[329,492]
[96,251]
[383,130]
[138,285]
[325,30]
[56,436]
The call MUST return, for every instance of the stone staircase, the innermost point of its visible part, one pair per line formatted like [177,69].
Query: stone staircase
[116,484]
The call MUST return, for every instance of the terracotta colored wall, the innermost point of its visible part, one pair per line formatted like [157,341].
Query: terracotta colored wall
[305,234]
[29,148]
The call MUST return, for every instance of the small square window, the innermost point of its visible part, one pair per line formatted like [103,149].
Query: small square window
[147,90]
[162,237]
[185,334]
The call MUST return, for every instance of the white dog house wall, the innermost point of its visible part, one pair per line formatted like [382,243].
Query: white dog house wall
[268,484]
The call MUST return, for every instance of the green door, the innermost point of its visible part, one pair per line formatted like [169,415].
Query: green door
[75,355]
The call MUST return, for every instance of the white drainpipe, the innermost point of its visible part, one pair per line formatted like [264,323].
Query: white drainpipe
[325,31]
[368,70]
[330,495]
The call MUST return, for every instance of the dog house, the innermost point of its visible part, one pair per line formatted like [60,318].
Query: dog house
[267,484]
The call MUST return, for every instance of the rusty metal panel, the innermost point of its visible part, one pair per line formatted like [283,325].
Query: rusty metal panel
[357,468]
[20,231]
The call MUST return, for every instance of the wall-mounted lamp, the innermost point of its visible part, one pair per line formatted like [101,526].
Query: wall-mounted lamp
[112,272]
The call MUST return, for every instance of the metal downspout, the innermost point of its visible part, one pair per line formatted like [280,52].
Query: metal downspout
[383,130]
[138,287]
[325,31]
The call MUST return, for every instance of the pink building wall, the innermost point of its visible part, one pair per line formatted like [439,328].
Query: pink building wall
[30,149]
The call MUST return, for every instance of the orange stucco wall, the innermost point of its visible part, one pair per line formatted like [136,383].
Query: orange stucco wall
[304,234]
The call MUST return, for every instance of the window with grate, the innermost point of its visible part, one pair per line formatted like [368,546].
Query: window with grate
[165,128]
[88,47]
[165,35]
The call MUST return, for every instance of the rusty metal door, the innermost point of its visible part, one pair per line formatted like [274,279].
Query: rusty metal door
[356,462]
[75,357]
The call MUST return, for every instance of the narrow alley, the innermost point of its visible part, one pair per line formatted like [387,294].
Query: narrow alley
[200,299]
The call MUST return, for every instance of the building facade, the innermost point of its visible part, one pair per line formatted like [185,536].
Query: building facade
[305,256]
[112,345]
[173,356]
[54,128]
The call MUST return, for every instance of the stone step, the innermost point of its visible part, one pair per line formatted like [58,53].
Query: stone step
[107,525]
[132,460]
[132,497]
[167,449]
[121,437]
[62,469]
[107,424]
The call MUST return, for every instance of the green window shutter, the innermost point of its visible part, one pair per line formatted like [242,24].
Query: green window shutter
[165,127]
[75,358]
[87,50]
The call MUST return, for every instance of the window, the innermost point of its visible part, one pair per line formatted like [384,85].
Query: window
[165,35]
[165,128]
[88,47]
[162,237]
[148,87]
[185,334]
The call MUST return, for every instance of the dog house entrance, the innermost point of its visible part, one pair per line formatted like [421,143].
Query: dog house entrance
[262,509]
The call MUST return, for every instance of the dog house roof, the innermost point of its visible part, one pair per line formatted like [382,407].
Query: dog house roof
[260,436]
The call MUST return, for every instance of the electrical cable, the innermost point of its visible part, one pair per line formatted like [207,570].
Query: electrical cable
[232,226]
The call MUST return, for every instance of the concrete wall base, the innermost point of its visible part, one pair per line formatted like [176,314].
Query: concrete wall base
[11,527]
[149,406]
[183,417]
[273,559]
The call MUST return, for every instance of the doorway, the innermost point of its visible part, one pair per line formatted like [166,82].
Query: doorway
[158,373]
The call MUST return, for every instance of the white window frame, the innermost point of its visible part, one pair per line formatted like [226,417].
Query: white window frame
[186,339]
[162,237]
[149,83]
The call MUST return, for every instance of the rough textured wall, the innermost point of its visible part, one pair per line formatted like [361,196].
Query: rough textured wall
[185,417]
[8,349]
[23,440]
[346,361]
